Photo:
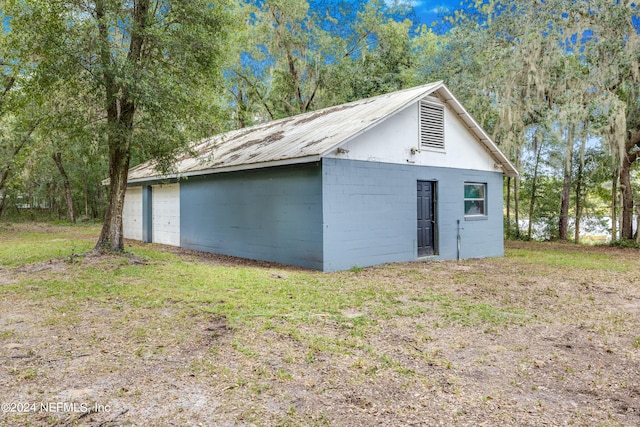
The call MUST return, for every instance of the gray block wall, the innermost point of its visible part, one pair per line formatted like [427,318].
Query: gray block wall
[271,214]
[370,217]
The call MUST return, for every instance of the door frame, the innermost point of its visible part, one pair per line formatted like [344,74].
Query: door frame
[434,217]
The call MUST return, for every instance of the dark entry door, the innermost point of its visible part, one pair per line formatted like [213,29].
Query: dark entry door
[426,218]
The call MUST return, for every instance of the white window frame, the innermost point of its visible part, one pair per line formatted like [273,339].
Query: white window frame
[483,213]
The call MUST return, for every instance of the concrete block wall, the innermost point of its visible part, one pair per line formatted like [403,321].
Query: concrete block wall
[370,213]
[271,214]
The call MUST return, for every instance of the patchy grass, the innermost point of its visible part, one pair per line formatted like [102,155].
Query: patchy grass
[240,293]
[27,243]
[558,256]
[169,336]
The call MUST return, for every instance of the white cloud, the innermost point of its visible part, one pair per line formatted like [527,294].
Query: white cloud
[413,3]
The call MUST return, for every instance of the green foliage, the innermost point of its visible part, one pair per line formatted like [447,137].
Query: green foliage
[625,243]
[118,81]
[546,208]
[231,64]
[292,59]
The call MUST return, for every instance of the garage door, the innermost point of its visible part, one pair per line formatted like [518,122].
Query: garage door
[132,214]
[166,214]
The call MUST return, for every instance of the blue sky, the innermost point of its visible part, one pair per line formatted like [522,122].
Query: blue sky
[427,11]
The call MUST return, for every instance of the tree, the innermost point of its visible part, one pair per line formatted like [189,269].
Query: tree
[281,60]
[383,51]
[20,111]
[545,64]
[613,55]
[151,68]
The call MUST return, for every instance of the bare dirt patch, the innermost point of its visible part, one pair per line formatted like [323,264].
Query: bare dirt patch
[478,342]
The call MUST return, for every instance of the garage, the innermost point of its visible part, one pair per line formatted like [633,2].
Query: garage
[403,176]
[132,214]
[166,214]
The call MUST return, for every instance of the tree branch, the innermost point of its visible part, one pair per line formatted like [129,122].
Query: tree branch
[7,88]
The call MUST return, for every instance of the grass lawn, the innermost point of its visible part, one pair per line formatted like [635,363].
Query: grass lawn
[163,336]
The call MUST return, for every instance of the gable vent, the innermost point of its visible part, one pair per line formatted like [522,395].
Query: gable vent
[431,125]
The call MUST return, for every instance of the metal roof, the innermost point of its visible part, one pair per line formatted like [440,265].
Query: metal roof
[306,137]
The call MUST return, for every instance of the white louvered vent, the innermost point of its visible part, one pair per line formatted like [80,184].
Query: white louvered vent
[432,125]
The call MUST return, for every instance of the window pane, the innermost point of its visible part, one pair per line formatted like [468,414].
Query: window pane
[474,191]
[474,207]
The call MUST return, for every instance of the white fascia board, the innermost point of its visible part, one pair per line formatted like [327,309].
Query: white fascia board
[482,136]
[247,166]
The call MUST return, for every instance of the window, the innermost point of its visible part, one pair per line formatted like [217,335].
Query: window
[475,198]
[431,125]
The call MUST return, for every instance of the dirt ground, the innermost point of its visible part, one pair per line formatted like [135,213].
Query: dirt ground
[568,356]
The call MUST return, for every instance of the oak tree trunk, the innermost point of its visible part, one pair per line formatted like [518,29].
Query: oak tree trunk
[112,237]
[631,155]
[121,108]
[57,158]
[626,231]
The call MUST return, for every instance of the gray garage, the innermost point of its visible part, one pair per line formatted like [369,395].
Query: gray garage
[399,177]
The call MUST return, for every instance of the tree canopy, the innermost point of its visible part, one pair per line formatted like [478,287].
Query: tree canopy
[98,86]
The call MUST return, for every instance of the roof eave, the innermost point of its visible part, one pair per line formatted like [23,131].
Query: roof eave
[222,169]
[507,167]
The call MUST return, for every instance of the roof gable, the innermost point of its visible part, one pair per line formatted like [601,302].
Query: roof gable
[306,137]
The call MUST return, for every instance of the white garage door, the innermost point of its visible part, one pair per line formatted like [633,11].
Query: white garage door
[132,214]
[166,214]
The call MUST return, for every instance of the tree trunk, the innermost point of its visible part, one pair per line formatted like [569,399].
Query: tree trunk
[121,110]
[516,196]
[508,207]
[31,206]
[8,167]
[5,171]
[579,195]
[86,200]
[614,205]
[631,155]
[636,236]
[240,112]
[619,211]
[57,158]
[3,180]
[566,186]
[112,237]
[626,231]
[3,199]
[534,184]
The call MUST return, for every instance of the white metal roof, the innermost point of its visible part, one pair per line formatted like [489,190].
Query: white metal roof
[307,137]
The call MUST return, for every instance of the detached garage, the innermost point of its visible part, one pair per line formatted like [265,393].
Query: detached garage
[132,214]
[165,214]
[399,177]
